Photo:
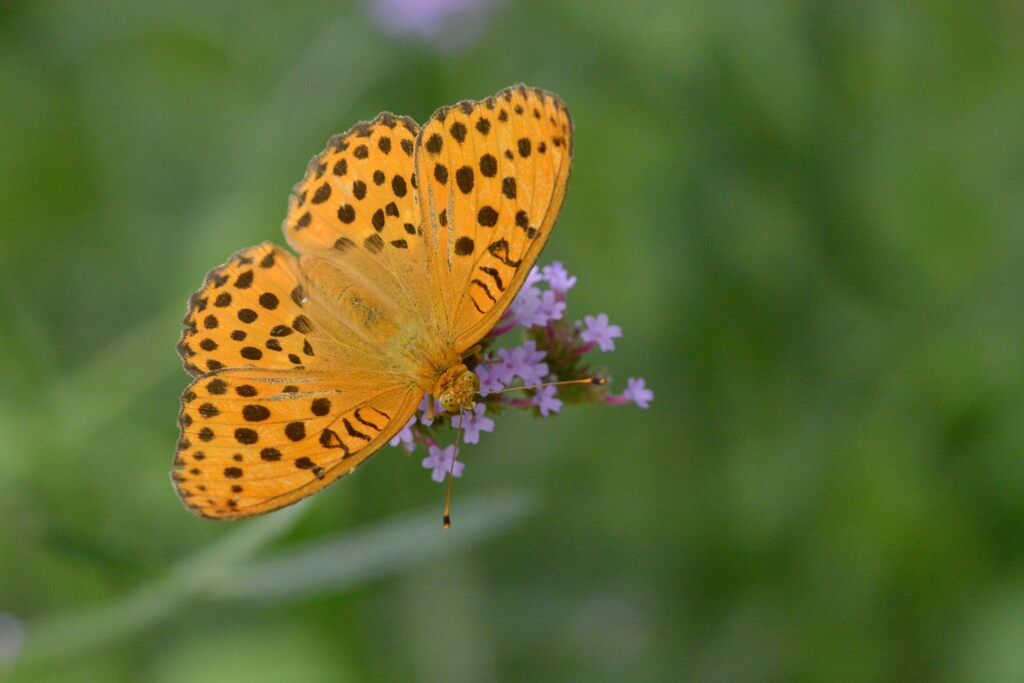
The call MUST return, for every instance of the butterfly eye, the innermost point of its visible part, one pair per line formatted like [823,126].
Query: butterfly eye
[449,403]
[469,377]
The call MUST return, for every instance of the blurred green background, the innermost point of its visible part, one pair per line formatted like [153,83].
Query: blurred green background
[806,217]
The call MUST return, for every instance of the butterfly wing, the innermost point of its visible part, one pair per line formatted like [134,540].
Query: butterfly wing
[491,177]
[292,400]
[357,207]
[249,311]
[255,440]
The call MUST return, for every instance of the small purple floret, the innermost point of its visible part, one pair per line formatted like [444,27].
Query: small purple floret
[490,378]
[637,392]
[524,361]
[424,411]
[533,277]
[527,308]
[551,307]
[473,423]
[404,438]
[599,331]
[545,400]
[558,277]
[533,369]
[440,461]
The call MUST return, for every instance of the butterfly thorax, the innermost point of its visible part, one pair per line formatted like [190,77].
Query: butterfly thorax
[456,388]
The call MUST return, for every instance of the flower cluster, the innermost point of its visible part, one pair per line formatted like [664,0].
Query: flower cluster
[553,351]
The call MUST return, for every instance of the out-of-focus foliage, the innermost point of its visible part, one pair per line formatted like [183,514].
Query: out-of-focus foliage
[806,217]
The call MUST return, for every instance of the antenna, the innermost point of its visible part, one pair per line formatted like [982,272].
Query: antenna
[586,380]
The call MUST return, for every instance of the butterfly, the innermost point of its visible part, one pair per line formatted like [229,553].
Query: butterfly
[412,242]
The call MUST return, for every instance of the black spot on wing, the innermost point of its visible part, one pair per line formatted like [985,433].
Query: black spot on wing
[464,179]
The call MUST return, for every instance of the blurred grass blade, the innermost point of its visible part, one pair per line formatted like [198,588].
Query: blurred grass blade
[69,634]
[98,392]
[226,570]
[208,566]
[25,324]
[385,549]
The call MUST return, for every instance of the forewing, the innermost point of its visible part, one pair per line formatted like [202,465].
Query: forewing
[492,175]
[357,206]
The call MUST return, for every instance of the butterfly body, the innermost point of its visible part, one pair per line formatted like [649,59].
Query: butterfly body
[413,241]
[456,387]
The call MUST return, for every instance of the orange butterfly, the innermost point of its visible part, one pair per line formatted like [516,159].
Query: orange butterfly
[413,242]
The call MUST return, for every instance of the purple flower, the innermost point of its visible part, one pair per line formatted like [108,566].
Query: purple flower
[519,361]
[600,332]
[490,378]
[474,422]
[527,307]
[524,361]
[533,369]
[404,437]
[558,277]
[551,308]
[508,367]
[637,392]
[533,277]
[534,306]
[545,400]
[424,409]
[440,461]
[447,24]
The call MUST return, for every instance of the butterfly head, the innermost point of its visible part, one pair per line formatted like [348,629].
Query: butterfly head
[456,388]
